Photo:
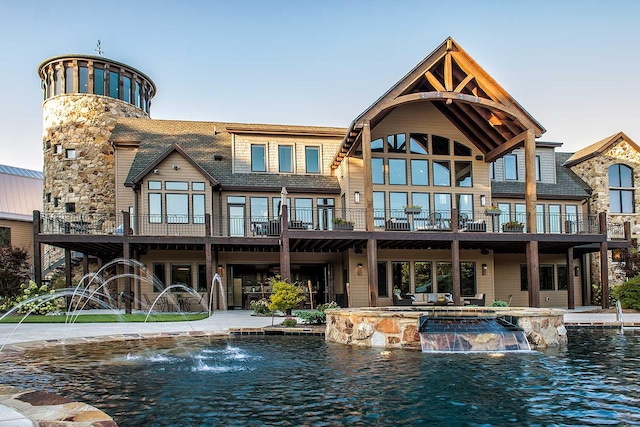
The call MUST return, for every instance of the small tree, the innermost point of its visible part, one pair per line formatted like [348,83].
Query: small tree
[285,296]
[14,270]
[631,262]
[628,293]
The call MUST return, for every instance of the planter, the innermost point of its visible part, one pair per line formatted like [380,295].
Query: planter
[348,227]
[412,211]
[512,228]
[493,212]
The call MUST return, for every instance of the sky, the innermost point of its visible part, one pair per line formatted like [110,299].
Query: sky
[573,65]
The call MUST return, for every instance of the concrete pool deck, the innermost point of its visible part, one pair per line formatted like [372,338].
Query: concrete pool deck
[220,323]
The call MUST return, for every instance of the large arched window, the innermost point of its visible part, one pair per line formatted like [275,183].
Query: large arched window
[621,193]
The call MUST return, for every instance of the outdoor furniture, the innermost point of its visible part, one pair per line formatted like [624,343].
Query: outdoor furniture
[394,224]
[432,223]
[478,299]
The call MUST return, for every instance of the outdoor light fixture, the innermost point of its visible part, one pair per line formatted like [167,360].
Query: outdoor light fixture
[359,269]
[484,269]
[576,271]
[356,197]
[483,200]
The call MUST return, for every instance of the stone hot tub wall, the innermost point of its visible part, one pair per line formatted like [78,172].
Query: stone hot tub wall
[397,327]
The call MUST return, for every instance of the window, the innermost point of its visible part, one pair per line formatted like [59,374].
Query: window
[57,149]
[571,218]
[442,204]
[540,219]
[554,219]
[155,185]
[538,173]
[197,186]
[467,278]
[70,154]
[202,278]
[400,276]
[83,79]
[258,163]
[285,162]
[259,209]
[397,202]
[397,143]
[440,146]
[57,76]
[492,170]
[383,286]
[444,277]
[419,172]
[276,206]
[397,172]
[422,200]
[177,207]
[377,146]
[418,143]
[136,95]
[510,167]
[181,275]
[325,208]
[160,279]
[198,201]
[155,208]
[562,277]
[423,278]
[98,81]
[441,173]
[621,192]
[546,278]
[47,198]
[69,207]
[465,205]
[5,236]
[524,278]
[304,211]
[114,85]
[460,149]
[378,209]
[126,89]
[463,174]
[68,80]
[176,185]
[236,210]
[377,170]
[312,159]
[56,201]
[521,213]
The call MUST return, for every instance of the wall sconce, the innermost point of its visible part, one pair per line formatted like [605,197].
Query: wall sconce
[356,197]
[176,167]
[616,255]
[359,269]
[484,269]
[576,271]
[156,171]
[221,271]
[483,200]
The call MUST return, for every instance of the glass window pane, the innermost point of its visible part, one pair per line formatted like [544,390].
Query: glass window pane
[377,146]
[5,236]
[463,174]
[626,178]
[554,219]
[155,208]
[198,208]
[492,170]
[467,279]
[276,206]
[325,213]
[68,80]
[441,173]
[396,143]
[197,186]
[444,277]
[397,172]
[442,204]
[541,220]
[136,94]
[176,185]
[546,278]
[460,149]
[510,167]
[614,176]
[383,287]
[377,170]
[155,185]
[465,205]
[114,85]
[83,79]
[304,211]
[312,158]
[627,201]
[418,143]
[259,209]
[419,172]
[521,213]
[177,208]
[400,276]
[440,146]
[615,203]
[236,200]
[258,163]
[562,277]
[126,89]
[181,275]
[98,81]
[284,158]
[505,213]
[422,200]
[397,202]
[58,79]
[524,281]
[538,173]
[202,278]
[236,221]
[423,279]
[378,208]
[160,276]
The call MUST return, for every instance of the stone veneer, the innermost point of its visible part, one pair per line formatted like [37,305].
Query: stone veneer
[595,172]
[83,122]
[397,327]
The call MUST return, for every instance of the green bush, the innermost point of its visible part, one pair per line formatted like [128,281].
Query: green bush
[260,306]
[289,322]
[316,317]
[628,293]
[596,295]
[499,303]
[37,306]
[285,296]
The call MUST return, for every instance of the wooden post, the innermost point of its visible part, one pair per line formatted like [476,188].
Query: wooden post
[367,175]
[67,267]
[208,266]
[531,198]
[126,254]
[604,261]
[455,268]
[285,256]
[37,249]
[85,264]
[571,304]
[372,272]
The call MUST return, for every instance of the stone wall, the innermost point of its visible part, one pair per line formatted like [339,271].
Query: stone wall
[595,172]
[81,122]
[395,327]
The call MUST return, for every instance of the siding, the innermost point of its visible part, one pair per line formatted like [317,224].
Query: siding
[124,195]
[21,234]
[547,165]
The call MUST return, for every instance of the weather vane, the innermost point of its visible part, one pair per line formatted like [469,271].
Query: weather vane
[99,48]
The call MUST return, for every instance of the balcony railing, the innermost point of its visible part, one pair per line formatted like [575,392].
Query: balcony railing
[324,219]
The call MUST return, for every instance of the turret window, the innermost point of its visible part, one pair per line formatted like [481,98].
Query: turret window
[98,81]
[70,154]
[83,80]
[114,85]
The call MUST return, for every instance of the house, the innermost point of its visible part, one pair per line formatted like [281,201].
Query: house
[440,186]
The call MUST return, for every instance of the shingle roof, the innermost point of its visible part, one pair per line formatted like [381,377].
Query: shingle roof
[204,140]
[568,185]
[598,148]
[20,193]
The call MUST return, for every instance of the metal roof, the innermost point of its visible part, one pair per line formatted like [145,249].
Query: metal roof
[20,193]
[12,170]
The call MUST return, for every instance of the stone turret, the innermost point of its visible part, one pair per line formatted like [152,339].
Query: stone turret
[83,98]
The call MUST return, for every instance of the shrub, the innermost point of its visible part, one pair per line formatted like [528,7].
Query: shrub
[37,306]
[14,270]
[596,295]
[285,296]
[499,303]
[260,306]
[316,317]
[289,322]
[628,293]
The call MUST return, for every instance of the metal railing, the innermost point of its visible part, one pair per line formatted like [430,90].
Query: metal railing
[81,223]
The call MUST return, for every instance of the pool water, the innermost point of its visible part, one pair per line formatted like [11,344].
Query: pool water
[293,381]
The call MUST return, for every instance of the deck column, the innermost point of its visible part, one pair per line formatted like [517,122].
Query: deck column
[571,297]
[208,266]
[372,272]
[604,261]
[367,175]
[455,257]
[37,250]
[531,198]
[285,255]
[126,254]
